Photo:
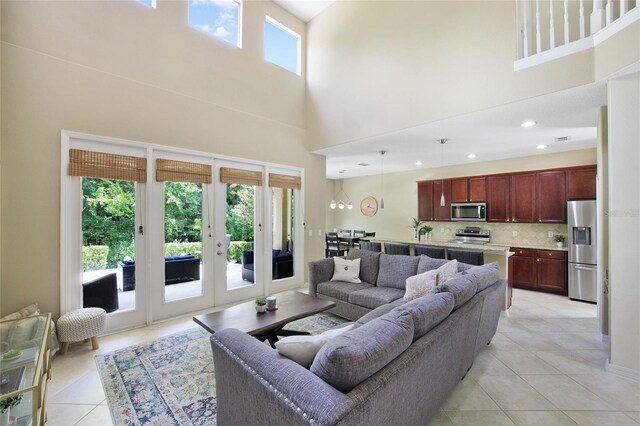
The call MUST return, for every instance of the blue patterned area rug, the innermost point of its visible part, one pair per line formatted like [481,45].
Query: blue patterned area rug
[171,381]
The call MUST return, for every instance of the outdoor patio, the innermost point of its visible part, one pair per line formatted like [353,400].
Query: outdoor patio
[173,292]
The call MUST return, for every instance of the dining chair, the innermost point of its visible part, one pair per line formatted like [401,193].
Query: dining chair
[334,247]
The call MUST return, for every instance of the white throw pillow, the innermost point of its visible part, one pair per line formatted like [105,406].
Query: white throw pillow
[346,270]
[447,271]
[303,349]
[419,285]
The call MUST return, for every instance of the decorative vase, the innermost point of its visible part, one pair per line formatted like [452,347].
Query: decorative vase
[261,308]
[559,244]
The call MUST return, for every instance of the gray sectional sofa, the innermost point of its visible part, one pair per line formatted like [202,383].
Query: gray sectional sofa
[396,366]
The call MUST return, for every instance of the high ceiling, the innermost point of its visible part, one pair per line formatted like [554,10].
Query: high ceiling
[490,134]
[305,10]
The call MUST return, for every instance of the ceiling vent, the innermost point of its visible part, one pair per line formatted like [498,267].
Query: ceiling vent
[563,139]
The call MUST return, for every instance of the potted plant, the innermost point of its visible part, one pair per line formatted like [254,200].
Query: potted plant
[5,406]
[416,225]
[261,304]
[559,239]
[426,230]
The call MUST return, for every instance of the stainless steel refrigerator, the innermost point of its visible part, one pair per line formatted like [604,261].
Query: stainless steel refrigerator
[583,250]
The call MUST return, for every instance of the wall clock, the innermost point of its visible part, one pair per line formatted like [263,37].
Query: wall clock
[369,206]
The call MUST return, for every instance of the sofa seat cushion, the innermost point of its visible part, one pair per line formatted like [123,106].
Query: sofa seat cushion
[340,290]
[380,311]
[369,263]
[373,297]
[484,275]
[303,349]
[395,269]
[463,287]
[350,358]
[428,311]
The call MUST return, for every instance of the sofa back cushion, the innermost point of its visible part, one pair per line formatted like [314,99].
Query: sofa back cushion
[428,311]
[484,275]
[462,287]
[426,263]
[395,269]
[350,358]
[369,264]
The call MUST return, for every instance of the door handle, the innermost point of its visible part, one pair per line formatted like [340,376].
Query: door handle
[584,268]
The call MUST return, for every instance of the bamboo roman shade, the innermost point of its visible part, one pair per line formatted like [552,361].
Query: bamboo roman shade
[107,166]
[182,171]
[284,181]
[241,176]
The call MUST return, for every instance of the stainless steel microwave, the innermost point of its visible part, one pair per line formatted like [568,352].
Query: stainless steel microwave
[470,212]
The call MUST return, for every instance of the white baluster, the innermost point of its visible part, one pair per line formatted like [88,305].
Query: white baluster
[552,30]
[525,35]
[597,17]
[609,12]
[624,7]
[583,32]
[566,22]
[538,37]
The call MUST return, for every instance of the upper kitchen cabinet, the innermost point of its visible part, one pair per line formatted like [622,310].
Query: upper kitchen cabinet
[425,200]
[551,197]
[497,190]
[523,198]
[441,187]
[465,190]
[581,184]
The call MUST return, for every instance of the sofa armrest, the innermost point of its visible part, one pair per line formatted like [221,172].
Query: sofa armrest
[254,382]
[247,257]
[319,271]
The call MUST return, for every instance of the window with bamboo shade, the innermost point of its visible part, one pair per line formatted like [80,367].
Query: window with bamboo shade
[284,181]
[240,176]
[107,166]
[182,171]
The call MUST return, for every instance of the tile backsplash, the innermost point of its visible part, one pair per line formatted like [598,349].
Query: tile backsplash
[527,234]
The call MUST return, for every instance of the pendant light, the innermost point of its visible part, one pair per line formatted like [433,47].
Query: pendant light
[341,205]
[382,153]
[442,142]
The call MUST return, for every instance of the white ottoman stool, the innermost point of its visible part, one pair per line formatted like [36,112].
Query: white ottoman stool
[81,324]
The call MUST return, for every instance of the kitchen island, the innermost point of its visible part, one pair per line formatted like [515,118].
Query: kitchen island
[492,253]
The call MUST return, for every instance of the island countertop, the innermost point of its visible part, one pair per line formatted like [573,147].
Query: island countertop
[487,248]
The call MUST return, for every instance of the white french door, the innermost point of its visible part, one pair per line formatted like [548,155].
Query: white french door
[180,240]
[239,265]
[180,231]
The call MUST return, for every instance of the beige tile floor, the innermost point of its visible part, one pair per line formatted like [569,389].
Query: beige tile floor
[545,366]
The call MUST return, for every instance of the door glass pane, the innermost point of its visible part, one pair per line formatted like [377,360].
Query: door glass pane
[282,224]
[240,225]
[108,244]
[183,240]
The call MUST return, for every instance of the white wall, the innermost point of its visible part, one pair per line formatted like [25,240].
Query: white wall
[624,223]
[121,69]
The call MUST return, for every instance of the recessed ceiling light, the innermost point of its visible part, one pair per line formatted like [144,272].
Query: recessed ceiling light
[529,123]
[471,156]
[363,164]
[541,146]
[418,163]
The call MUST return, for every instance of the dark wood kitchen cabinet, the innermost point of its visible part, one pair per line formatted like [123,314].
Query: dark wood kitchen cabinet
[523,198]
[442,187]
[551,197]
[497,198]
[425,200]
[581,184]
[465,190]
[539,270]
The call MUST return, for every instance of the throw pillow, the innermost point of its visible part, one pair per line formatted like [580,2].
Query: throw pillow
[447,271]
[419,285]
[346,270]
[303,349]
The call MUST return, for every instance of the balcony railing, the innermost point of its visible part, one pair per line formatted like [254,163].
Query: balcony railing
[549,29]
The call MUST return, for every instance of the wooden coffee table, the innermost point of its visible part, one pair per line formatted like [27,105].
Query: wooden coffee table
[292,305]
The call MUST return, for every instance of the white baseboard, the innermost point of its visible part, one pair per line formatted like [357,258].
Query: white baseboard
[623,371]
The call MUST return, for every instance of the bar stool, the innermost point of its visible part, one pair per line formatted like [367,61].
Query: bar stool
[396,248]
[472,257]
[370,246]
[431,251]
